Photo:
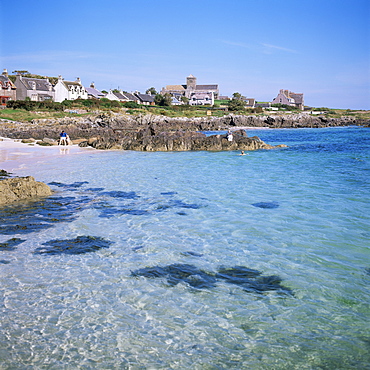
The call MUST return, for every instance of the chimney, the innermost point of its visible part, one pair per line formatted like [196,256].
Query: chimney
[92,85]
[5,72]
[78,80]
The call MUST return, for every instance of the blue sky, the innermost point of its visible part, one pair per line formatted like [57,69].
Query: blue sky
[319,48]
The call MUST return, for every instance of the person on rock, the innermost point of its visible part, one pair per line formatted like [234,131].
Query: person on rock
[63,140]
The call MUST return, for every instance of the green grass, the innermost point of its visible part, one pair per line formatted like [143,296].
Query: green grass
[22,115]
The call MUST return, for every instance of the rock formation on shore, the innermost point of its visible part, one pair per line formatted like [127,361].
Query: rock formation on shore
[152,132]
[150,140]
[21,188]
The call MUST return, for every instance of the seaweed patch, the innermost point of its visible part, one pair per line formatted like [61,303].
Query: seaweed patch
[79,245]
[250,280]
[266,205]
[121,194]
[74,186]
[30,217]
[10,244]
[177,273]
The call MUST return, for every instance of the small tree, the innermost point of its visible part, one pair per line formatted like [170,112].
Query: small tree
[163,100]
[21,72]
[184,99]
[151,91]
[237,103]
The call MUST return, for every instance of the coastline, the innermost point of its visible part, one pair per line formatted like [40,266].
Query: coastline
[16,156]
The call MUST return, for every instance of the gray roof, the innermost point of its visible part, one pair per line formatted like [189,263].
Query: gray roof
[206,87]
[94,92]
[130,97]
[298,98]
[145,98]
[41,84]
[120,96]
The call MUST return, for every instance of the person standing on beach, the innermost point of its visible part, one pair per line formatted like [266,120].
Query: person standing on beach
[63,138]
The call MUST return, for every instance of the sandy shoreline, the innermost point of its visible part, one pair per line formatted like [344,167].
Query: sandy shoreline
[16,156]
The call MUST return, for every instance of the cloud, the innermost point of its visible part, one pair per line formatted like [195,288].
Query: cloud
[269,48]
[233,43]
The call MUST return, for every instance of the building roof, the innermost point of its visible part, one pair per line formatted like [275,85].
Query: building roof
[71,83]
[41,83]
[94,92]
[5,81]
[298,98]
[201,95]
[176,87]
[206,87]
[120,96]
[145,98]
[130,97]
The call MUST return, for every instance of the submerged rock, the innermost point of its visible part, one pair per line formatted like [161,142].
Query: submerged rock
[250,280]
[28,217]
[267,205]
[10,244]
[21,188]
[79,245]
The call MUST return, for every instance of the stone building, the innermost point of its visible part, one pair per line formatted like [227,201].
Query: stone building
[7,89]
[289,98]
[190,88]
[37,89]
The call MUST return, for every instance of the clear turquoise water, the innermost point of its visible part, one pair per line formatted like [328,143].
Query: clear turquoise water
[87,311]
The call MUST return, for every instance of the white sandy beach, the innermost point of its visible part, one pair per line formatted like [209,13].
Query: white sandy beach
[15,155]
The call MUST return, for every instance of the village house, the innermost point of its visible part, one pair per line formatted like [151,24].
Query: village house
[289,98]
[7,89]
[93,93]
[190,88]
[68,90]
[201,98]
[145,99]
[36,89]
[250,102]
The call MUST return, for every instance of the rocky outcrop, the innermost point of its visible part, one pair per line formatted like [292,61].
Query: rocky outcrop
[152,132]
[119,124]
[151,140]
[21,188]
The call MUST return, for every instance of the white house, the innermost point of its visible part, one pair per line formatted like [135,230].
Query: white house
[201,98]
[68,90]
[111,96]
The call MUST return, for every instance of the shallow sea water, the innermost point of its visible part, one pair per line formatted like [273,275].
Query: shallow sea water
[300,213]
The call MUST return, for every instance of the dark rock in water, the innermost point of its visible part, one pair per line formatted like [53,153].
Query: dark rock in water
[191,275]
[169,193]
[73,186]
[150,272]
[182,213]
[4,262]
[250,280]
[4,174]
[178,273]
[268,205]
[121,194]
[107,211]
[30,217]
[95,189]
[193,254]
[79,245]
[10,244]
[236,274]
[176,203]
